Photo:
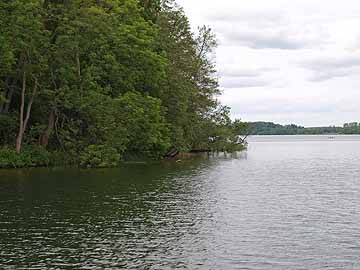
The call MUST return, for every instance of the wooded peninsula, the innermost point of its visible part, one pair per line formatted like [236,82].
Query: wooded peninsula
[94,82]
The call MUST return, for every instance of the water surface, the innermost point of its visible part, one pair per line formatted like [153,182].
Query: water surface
[289,202]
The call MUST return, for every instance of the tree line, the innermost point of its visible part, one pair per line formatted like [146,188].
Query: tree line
[269,128]
[93,82]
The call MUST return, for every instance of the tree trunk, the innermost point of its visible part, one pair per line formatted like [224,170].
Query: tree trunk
[44,138]
[24,122]
[19,138]
[78,64]
[31,101]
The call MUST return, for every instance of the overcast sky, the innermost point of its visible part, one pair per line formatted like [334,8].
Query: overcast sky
[286,61]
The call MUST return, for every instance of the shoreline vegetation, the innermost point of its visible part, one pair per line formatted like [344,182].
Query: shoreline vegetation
[269,128]
[93,83]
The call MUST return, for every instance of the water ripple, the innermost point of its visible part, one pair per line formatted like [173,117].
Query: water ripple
[281,206]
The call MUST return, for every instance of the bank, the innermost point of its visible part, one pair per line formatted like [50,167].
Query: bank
[96,156]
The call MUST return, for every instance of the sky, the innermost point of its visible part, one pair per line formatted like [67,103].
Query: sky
[286,61]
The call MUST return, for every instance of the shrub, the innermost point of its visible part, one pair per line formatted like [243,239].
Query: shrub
[8,158]
[99,156]
[30,156]
[37,155]
[61,158]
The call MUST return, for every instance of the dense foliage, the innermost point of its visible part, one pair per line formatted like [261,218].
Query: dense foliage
[269,128]
[94,81]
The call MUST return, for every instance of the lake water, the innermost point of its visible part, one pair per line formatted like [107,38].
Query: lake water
[289,202]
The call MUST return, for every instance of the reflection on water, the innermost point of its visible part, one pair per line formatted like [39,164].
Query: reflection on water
[283,204]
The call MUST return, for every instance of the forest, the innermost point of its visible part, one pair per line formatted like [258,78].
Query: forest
[269,128]
[95,82]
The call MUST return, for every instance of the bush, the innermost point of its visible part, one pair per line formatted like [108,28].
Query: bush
[30,156]
[61,158]
[99,156]
[8,158]
[38,156]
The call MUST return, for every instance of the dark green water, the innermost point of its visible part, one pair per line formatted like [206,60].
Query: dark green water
[136,217]
[286,203]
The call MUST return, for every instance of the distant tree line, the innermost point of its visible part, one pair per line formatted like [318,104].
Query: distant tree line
[351,128]
[93,82]
[269,128]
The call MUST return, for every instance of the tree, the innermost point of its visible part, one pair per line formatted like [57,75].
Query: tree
[26,41]
[98,77]
[121,56]
[191,86]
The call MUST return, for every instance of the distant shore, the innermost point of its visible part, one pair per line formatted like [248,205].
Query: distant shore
[269,128]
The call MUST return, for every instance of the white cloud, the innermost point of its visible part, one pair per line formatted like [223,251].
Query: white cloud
[286,61]
[330,67]
[237,71]
[241,82]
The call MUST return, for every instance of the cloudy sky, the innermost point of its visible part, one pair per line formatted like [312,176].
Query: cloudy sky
[286,61]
